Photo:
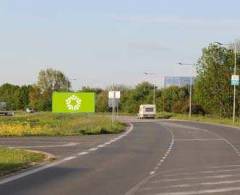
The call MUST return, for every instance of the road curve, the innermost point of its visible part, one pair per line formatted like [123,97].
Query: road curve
[157,157]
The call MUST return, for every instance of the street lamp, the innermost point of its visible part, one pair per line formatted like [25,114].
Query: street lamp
[190,90]
[154,87]
[235,72]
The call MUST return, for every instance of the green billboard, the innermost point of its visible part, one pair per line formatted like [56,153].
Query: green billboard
[73,102]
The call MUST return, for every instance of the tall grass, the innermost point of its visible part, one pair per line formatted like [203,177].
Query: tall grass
[15,159]
[49,124]
[200,118]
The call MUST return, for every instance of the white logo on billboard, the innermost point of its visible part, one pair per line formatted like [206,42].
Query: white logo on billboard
[73,103]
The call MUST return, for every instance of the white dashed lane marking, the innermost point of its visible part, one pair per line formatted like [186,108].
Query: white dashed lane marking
[211,191]
[223,179]
[70,158]
[93,149]
[82,153]
[30,172]
[135,188]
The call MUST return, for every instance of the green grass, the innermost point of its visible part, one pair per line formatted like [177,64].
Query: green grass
[49,124]
[199,118]
[12,160]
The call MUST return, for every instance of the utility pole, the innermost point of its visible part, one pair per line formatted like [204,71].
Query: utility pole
[154,93]
[154,87]
[235,73]
[68,83]
[190,98]
[234,89]
[190,89]
[113,104]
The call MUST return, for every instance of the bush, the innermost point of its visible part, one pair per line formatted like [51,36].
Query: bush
[178,106]
[164,115]
[196,109]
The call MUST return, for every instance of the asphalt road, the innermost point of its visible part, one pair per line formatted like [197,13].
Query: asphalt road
[156,157]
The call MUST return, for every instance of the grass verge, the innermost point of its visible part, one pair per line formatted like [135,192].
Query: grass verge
[199,118]
[49,124]
[12,160]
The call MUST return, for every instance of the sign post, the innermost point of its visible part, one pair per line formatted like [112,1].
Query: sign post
[234,82]
[113,102]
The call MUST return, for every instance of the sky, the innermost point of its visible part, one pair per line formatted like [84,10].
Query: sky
[100,43]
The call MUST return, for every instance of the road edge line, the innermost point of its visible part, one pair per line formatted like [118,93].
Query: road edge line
[58,162]
[134,189]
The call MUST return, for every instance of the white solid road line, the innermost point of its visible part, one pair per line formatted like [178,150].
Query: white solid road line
[191,185]
[204,184]
[196,178]
[224,166]
[185,140]
[209,168]
[30,172]
[135,188]
[47,146]
[201,172]
[210,191]
[216,137]
[214,134]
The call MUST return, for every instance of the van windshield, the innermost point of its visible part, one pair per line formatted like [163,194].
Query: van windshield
[149,109]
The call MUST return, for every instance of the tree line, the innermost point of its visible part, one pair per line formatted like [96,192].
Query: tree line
[212,90]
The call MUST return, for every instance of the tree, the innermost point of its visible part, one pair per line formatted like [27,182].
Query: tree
[143,93]
[131,99]
[175,98]
[49,81]
[11,95]
[24,96]
[213,89]
[35,98]
[89,89]
[102,101]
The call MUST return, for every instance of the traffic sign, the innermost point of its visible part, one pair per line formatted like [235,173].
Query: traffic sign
[235,80]
[114,94]
[113,102]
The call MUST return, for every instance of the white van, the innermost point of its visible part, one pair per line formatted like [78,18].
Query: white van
[3,110]
[147,111]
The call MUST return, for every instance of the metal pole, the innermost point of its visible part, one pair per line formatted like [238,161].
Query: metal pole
[112,112]
[117,111]
[190,99]
[190,89]
[113,103]
[154,93]
[234,89]
[112,108]
[163,103]
[68,86]
[163,94]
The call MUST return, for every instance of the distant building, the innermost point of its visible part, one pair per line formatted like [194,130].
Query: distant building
[177,81]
